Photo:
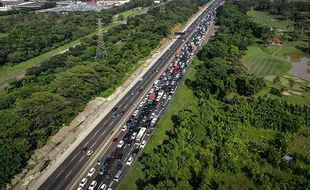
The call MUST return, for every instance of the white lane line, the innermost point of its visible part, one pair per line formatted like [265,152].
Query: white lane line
[87,143]
[93,144]
[68,174]
[96,132]
[103,133]
[73,157]
[59,173]
[81,159]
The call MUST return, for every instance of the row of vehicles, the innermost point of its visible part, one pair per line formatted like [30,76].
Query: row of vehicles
[142,122]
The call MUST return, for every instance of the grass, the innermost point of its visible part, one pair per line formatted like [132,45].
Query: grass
[183,98]
[9,73]
[263,64]
[271,21]
[132,12]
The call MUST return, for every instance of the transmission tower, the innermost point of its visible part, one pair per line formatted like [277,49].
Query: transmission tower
[101,51]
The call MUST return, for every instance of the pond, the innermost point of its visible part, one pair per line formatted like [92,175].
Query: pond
[300,67]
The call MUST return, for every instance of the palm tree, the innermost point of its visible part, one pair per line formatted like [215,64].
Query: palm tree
[277,80]
[291,83]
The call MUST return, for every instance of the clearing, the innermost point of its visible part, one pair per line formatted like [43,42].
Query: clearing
[272,21]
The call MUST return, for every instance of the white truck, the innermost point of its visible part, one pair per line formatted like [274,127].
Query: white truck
[140,134]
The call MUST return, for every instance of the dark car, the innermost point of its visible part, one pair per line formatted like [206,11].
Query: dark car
[115,140]
[115,108]
[135,151]
[84,149]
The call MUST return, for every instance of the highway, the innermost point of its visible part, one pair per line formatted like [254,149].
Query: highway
[65,176]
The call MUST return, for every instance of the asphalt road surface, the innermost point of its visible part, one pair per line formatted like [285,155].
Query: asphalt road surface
[62,177]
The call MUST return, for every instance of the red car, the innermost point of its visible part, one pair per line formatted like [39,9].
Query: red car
[115,140]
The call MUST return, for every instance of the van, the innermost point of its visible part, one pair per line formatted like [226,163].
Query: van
[118,175]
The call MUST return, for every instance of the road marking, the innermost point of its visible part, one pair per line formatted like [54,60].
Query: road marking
[87,143]
[81,159]
[68,174]
[96,132]
[93,144]
[100,184]
[73,157]
[59,173]
[103,133]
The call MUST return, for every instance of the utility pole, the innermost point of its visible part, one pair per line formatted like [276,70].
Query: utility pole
[101,51]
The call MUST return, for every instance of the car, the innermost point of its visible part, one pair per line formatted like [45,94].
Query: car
[169,97]
[141,79]
[88,153]
[119,155]
[124,128]
[119,166]
[91,172]
[103,187]
[135,113]
[115,140]
[83,182]
[79,188]
[84,149]
[120,144]
[164,96]
[129,161]
[133,136]
[92,185]
[115,108]
[98,162]
[142,145]
[135,151]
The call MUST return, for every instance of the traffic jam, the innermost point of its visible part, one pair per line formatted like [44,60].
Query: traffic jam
[135,133]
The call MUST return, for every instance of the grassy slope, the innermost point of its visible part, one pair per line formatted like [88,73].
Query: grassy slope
[269,61]
[270,20]
[183,98]
[8,73]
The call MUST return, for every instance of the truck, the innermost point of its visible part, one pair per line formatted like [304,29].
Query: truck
[140,134]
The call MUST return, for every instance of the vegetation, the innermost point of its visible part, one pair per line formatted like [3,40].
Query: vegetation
[270,20]
[32,34]
[231,139]
[52,93]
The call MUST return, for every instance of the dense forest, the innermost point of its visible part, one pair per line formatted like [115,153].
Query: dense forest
[230,138]
[51,94]
[26,35]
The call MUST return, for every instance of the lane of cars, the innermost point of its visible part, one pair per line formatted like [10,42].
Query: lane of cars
[139,127]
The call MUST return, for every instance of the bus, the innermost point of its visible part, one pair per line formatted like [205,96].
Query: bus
[140,134]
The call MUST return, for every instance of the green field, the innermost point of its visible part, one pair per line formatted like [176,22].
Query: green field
[270,20]
[9,73]
[263,64]
[183,98]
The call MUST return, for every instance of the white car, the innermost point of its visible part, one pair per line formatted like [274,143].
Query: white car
[83,182]
[142,145]
[79,188]
[124,128]
[133,136]
[120,144]
[92,185]
[129,161]
[165,96]
[103,187]
[169,97]
[141,79]
[135,113]
[91,172]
